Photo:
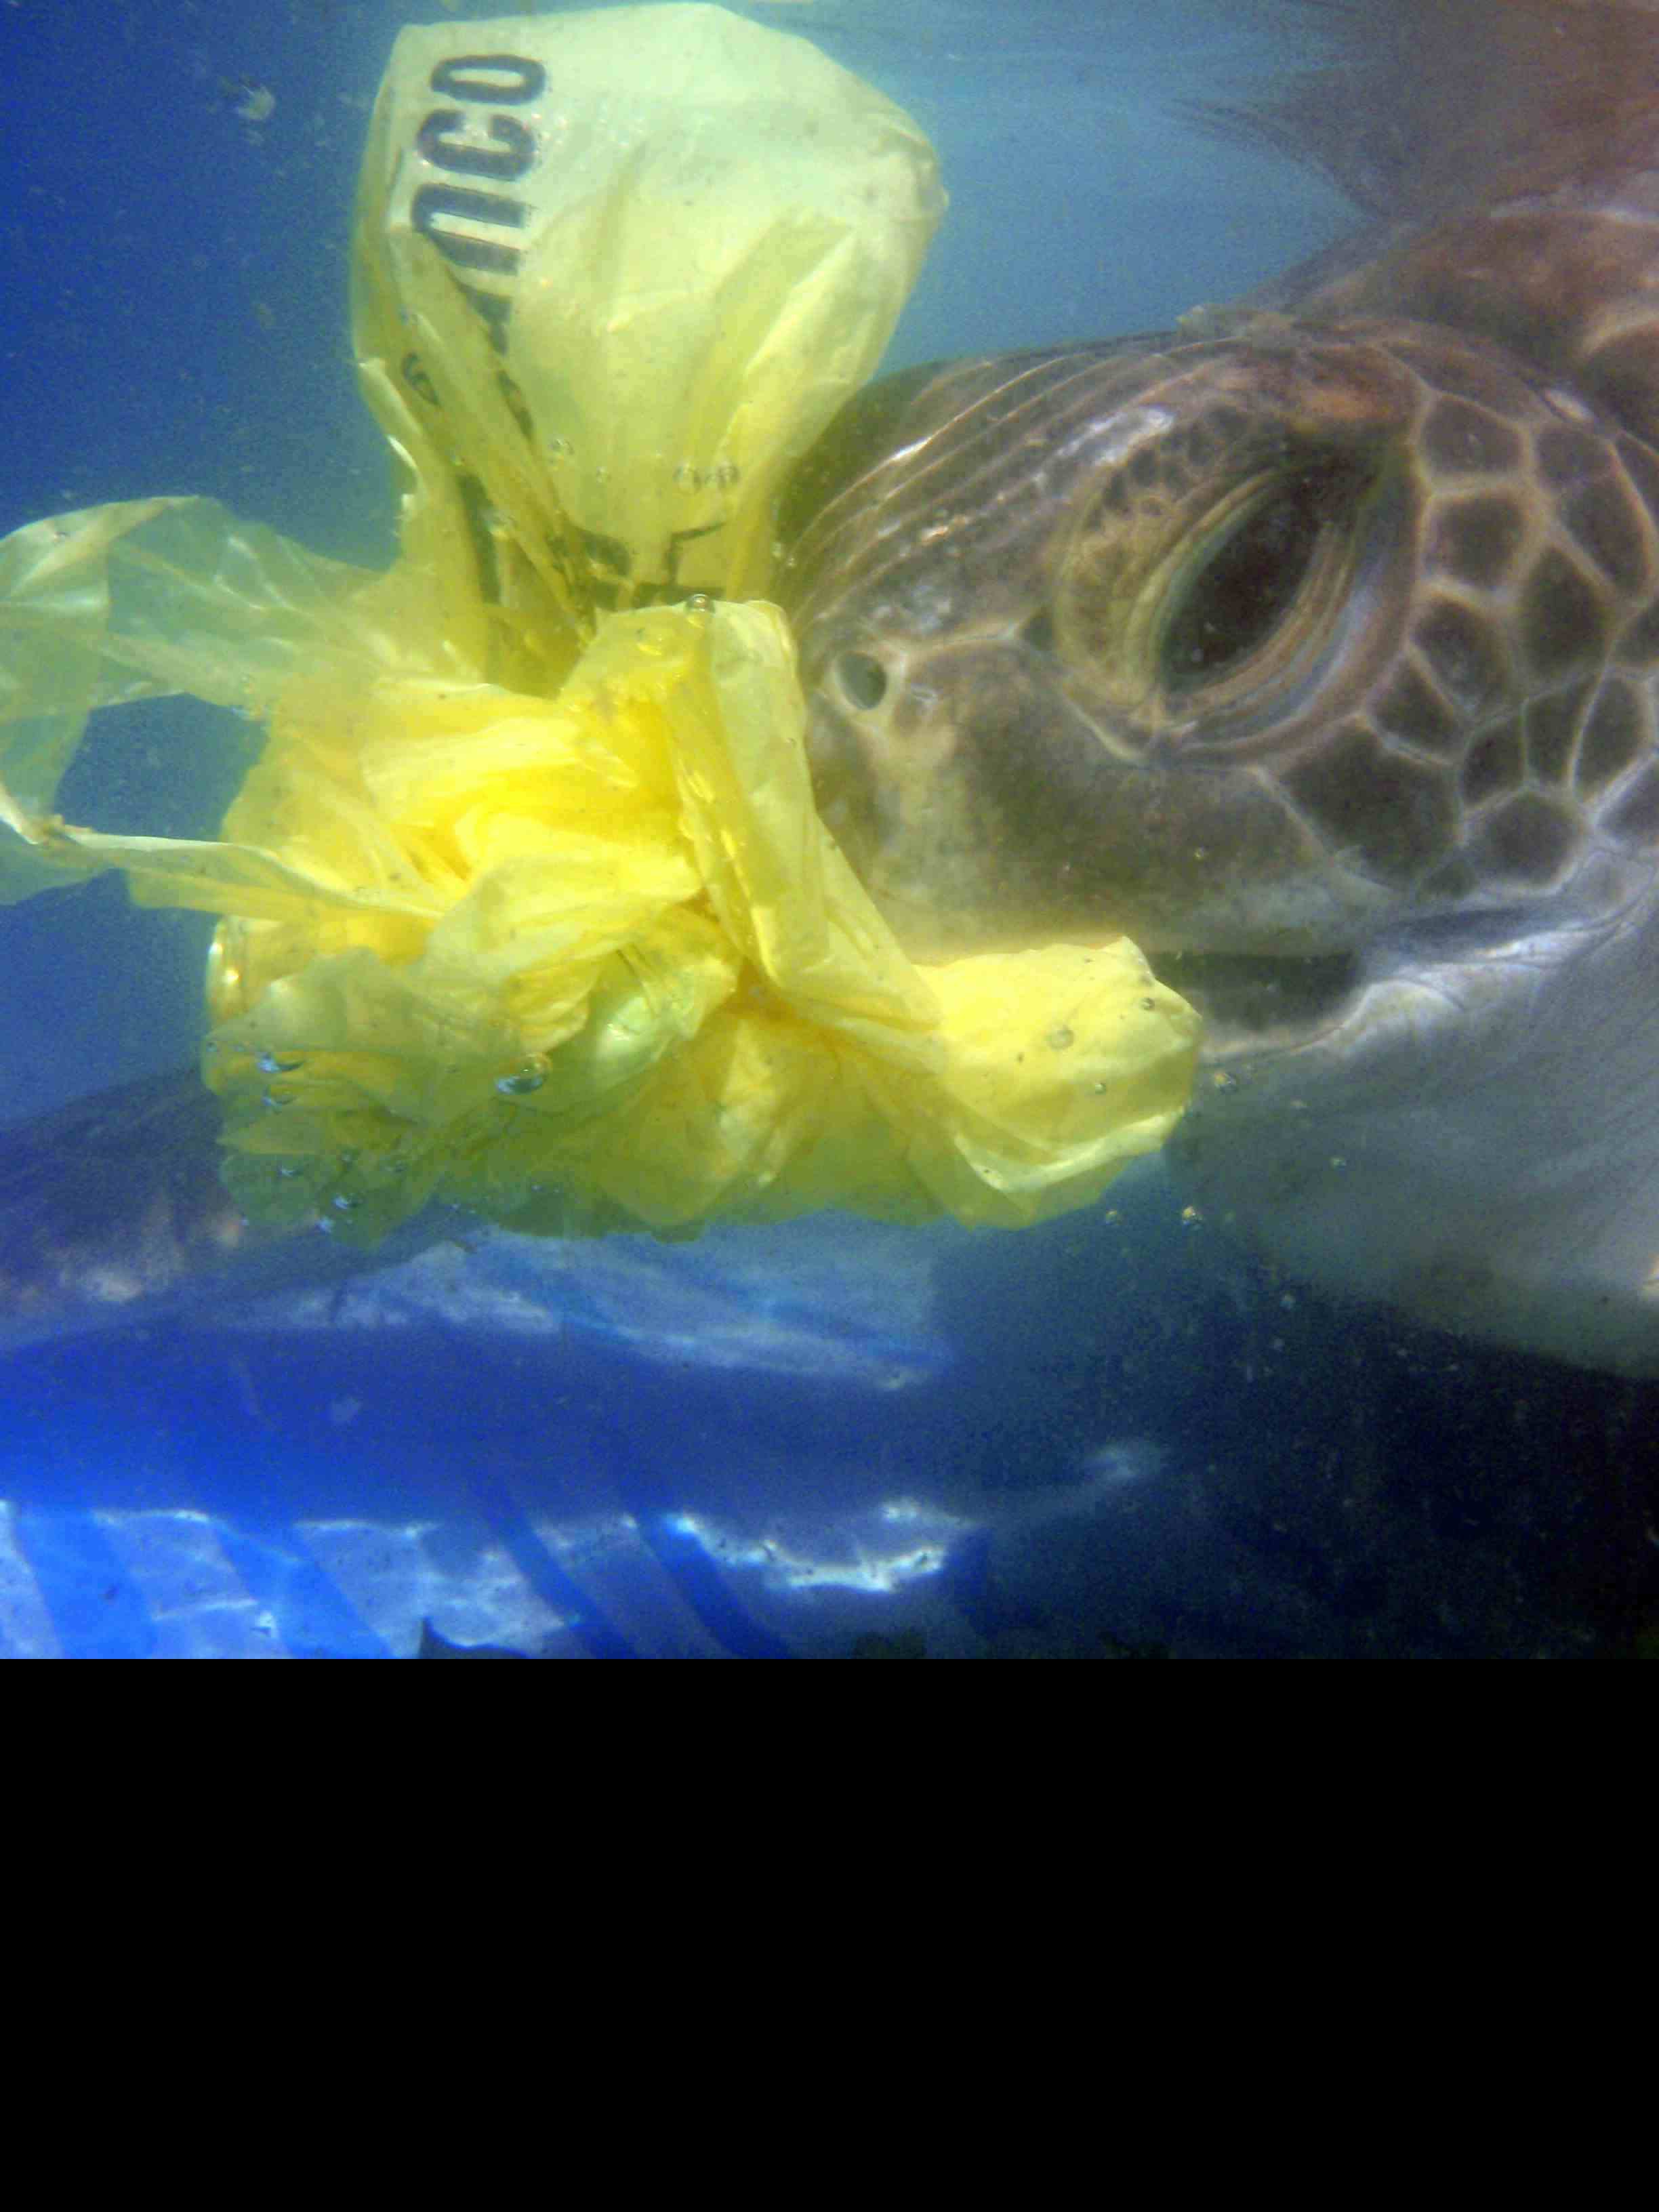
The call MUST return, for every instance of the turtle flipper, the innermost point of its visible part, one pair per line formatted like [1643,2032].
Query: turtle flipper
[109,1205]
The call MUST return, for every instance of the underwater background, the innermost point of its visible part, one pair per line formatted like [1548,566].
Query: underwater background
[1114,1436]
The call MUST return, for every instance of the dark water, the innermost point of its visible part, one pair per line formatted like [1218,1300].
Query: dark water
[1109,1437]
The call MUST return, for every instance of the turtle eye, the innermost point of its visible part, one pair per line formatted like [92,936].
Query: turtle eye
[1241,589]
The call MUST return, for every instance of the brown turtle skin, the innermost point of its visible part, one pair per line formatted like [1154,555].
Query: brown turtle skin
[1253,646]
[1317,647]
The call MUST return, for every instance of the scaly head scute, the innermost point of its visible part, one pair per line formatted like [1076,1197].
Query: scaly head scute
[1258,645]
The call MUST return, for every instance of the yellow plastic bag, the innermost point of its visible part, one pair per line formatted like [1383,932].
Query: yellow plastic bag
[527,903]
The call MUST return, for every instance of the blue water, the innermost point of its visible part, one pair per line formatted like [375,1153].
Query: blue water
[1111,1437]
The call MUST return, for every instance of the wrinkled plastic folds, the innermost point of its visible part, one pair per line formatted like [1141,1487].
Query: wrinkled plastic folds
[525,901]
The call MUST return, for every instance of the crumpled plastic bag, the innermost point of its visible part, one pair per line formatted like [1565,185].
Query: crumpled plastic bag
[525,901]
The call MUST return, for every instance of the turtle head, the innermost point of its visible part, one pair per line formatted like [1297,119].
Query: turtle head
[1253,646]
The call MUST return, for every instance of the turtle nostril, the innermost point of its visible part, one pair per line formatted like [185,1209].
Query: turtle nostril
[862,680]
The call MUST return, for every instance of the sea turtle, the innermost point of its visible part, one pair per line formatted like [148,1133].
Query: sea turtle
[1316,646]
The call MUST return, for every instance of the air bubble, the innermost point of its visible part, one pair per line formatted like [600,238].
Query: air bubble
[526,1080]
[700,604]
[727,473]
[687,477]
[268,1064]
[1061,1038]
